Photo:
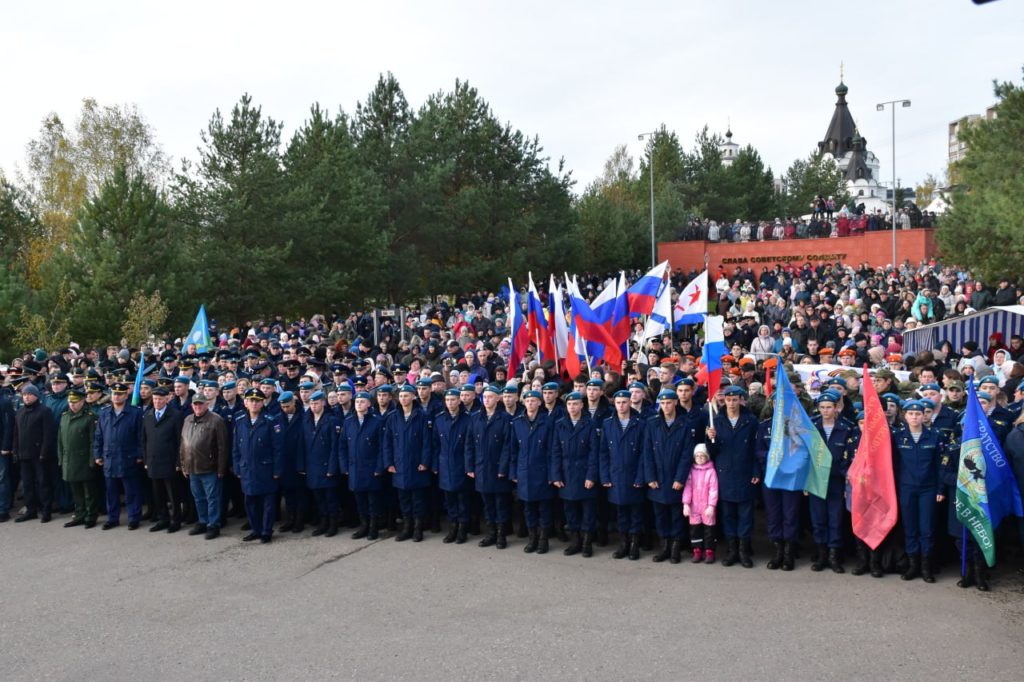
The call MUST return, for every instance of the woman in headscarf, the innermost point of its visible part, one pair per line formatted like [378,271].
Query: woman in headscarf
[763,344]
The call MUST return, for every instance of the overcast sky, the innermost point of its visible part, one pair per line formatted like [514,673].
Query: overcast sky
[583,76]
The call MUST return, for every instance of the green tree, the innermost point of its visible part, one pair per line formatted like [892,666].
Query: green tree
[19,228]
[983,228]
[926,191]
[145,314]
[751,187]
[806,179]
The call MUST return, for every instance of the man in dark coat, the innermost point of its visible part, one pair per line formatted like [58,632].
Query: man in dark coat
[161,440]
[321,430]
[35,450]
[74,454]
[117,447]
[360,458]
[574,472]
[529,447]
[293,487]
[258,459]
[487,464]
[6,474]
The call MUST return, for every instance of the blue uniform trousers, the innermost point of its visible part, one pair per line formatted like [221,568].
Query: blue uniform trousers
[497,507]
[581,515]
[827,516]
[413,503]
[538,514]
[6,489]
[206,489]
[782,512]
[668,520]
[457,503]
[368,503]
[630,518]
[132,486]
[261,510]
[917,509]
[737,518]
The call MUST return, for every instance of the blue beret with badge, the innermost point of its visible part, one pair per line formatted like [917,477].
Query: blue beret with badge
[532,394]
[575,395]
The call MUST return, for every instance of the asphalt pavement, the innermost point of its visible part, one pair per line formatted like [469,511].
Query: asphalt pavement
[120,605]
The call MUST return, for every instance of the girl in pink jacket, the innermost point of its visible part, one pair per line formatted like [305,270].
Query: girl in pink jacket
[700,497]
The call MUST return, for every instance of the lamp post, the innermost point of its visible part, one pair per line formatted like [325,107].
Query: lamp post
[650,172]
[881,107]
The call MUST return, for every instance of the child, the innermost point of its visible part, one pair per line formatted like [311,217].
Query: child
[700,496]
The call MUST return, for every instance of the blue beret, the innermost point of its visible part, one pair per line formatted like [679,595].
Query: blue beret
[892,398]
[928,403]
[425,382]
[686,381]
[491,388]
[385,388]
[149,382]
[228,385]
[984,395]
[575,395]
[407,388]
[468,388]
[510,390]
[990,379]
[913,406]
[451,391]
[181,379]
[827,397]
[306,386]
[531,394]
[858,406]
[637,384]
[860,416]
[365,395]
[596,382]
[549,386]
[734,390]
[286,397]
[344,386]
[930,387]
[667,395]
[268,382]
[317,395]
[622,394]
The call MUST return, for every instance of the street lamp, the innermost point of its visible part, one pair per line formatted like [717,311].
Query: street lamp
[650,171]
[881,107]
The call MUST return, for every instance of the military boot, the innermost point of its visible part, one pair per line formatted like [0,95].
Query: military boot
[776,561]
[575,545]
[862,560]
[501,537]
[746,552]
[623,549]
[462,535]
[288,524]
[531,544]
[788,551]
[913,568]
[664,552]
[322,528]
[406,533]
[453,530]
[676,553]
[417,530]
[875,564]
[299,521]
[542,542]
[820,559]
[834,562]
[373,532]
[926,569]
[734,552]
[332,527]
[561,533]
[588,545]
[634,546]
[489,539]
[967,579]
[363,530]
[980,571]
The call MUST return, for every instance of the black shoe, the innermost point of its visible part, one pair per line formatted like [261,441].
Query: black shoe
[926,569]
[531,544]
[110,524]
[174,528]
[332,528]
[676,552]
[159,526]
[266,539]
[588,545]
[542,541]
[665,551]
[74,522]
[45,517]
[967,579]
[453,531]
[788,561]
[197,529]
[90,523]
[634,547]
[913,568]
[250,537]
[821,559]
[733,554]
[373,533]
[863,562]
[417,530]
[22,518]
[462,535]
[875,565]
[834,561]
[501,542]
[575,546]
[775,562]
[980,571]
[212,532]
[623,549]
[363,530]
[321,528]
[746,553]
[486,541]
[406,533]
[133,525]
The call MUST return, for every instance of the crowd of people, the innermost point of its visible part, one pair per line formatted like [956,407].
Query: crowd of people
[303,424]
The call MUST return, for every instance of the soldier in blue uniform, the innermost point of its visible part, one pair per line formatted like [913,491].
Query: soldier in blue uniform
[732,444]
[530,462]
[551,406]
[360,458]
[510,401]
[408,456]
[293,485]
[451,433]
[321,433]
[117,447]
[621,470]
[781,507]
[487,464]
[999,418]
[258,461]
[842,438]
[668,453]
[919,451]
[574,472]
[432,404]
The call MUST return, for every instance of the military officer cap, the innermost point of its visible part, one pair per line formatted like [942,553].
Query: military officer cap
[399,367]
[622,394]
[549,386]
[491,388]
[58,377]
[913,406]
[76,395]
[94,387]
[119,388]
[252,394]
[531,394]
[451,391]
[160,392]
[78,372]
[337,367]
[229,385]
[575,395]
[407,388]
[359,381]
[930,387]
[290,363]
[307,386]
[166,382]
[596,382]
[510,390]
[687,381]
[467,388]
[181,379]
[828,396]
[343,386]
[361,362]
[317,395]
[19,380]
[666,394]
[365,395]
[186,363]
[303,351]
[735,390]
[315,362]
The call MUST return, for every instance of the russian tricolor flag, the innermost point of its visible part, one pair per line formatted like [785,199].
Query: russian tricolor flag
[711,356]
[644,292]
[519,335]
[539,333]
[559,327]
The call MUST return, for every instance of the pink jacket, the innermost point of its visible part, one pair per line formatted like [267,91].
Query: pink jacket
[701,492]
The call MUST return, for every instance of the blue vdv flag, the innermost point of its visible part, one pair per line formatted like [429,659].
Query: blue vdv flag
[138,380]
[798,458]
[200,334]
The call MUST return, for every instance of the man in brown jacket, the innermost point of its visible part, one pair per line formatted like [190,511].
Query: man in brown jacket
[204,461]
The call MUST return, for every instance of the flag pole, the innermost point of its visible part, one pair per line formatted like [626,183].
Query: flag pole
[711,412]
[963,546]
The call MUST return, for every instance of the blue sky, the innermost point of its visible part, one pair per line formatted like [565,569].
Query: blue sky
[583,76]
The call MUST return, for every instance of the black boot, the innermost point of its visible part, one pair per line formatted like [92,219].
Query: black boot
[299,522]
[676,553]
[322,528]
[862,560]
[664,552]
[531,544]
[575,545]
[490,539]
[926,569]
[374,531]
[363,530]
[542,543]
[967,579]
[588,545]
[820,559]
[406,533]
[634,546]
[501,540]
[745,554]
[834,562]
[623,549]
[734,552]
[788,560]
[453,530]
[332,527]
[461,535]
[776,561]
[417,530]
[913,568]
[288,524]
[980,571]
[875,564]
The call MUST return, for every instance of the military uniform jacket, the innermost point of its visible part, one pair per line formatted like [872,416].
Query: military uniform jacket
[257,453]
[486,451]
[161,442]
[320,450]
[918,465]
[668,454]
[118,441]
[529,457]
[359,452]
[734,454]
[620,459]
[842,443]
[408,445]
[74,445]
[294,448]
[946,420]
[574,458]
[451,435]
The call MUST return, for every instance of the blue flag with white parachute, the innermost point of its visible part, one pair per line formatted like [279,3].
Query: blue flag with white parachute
[200,334]
[798,458]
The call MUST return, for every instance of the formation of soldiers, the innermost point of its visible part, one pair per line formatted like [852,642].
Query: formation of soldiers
[328,446]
